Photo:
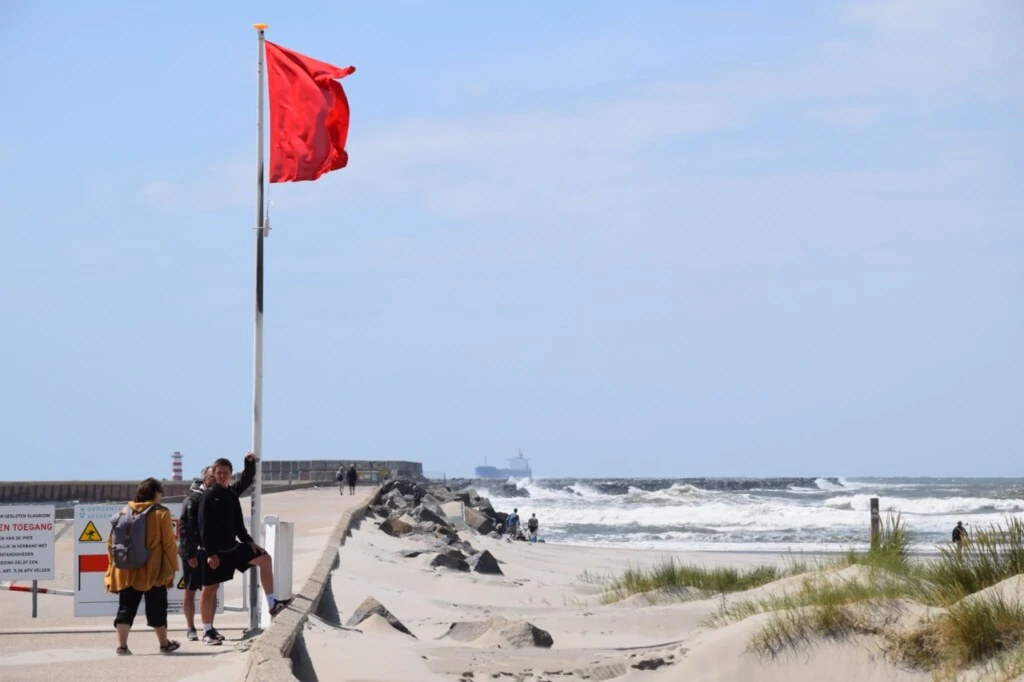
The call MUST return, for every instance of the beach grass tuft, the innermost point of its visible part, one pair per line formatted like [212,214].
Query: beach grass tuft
[984,631]
[671,576]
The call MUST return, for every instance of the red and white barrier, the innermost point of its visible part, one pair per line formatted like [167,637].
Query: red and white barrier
[14,587]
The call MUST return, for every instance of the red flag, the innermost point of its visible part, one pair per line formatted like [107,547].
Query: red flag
[308,116]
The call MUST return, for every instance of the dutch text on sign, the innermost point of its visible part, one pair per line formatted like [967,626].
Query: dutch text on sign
[92,521]
[26,542]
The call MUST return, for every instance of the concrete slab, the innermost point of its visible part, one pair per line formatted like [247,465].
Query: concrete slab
[59,646]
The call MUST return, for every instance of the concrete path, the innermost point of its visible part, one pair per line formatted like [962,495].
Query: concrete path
[58,646]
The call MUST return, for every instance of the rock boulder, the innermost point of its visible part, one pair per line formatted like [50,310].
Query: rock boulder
[499,632]
[479,522]
[448,561]
[398,526]
[371,606]
[484,562]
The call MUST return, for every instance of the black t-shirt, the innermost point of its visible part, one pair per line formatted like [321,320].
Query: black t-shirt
[221,525]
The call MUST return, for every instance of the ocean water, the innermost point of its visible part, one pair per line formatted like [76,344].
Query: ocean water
[818,515]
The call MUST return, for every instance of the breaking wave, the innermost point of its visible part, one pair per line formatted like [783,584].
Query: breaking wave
[751,514]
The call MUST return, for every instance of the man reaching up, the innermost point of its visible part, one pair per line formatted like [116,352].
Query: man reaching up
[227,547]
[189,539]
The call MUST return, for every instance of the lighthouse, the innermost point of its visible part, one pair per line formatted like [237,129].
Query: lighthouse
[176,466]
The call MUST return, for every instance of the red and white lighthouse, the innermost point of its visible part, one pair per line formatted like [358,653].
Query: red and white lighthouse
[176,466]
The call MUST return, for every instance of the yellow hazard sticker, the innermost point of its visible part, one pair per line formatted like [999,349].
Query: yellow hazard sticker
[90,534]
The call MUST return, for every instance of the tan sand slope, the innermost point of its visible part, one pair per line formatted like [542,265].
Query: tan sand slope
[547,585]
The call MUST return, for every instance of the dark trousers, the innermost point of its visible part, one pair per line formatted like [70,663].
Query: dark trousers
[351,488]
[128,601]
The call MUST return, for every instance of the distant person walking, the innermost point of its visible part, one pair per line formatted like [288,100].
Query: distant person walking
[352,477]
[512,523]
[959,536]
[141,562]
[340,479]
[533,525]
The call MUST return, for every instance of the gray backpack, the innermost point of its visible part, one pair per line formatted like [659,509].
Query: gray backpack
[128,537]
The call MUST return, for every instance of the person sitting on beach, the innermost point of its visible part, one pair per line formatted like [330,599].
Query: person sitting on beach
[189,538]
[959,535]
[155,569]
[512,523]
[533,525]
[228,547]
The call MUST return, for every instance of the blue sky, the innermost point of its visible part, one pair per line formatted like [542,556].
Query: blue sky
[656,238]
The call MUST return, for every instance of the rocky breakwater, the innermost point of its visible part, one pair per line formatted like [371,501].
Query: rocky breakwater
[622,486]
[438,519]
[499,488]
[438,522]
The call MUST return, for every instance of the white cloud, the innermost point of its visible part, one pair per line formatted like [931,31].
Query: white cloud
[712,163]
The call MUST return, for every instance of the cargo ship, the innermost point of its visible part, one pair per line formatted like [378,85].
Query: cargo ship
[518,467]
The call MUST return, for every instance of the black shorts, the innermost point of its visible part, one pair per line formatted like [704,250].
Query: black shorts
[191,578]
[235,559]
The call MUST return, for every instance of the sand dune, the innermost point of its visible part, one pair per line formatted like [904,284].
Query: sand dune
[654,638]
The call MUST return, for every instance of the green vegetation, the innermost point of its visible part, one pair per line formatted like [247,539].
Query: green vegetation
[921,610]
[961,631]
[670,576]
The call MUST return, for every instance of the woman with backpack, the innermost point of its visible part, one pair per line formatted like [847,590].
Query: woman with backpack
[142,560]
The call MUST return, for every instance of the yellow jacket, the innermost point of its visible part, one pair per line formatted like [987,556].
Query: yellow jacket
[162,562]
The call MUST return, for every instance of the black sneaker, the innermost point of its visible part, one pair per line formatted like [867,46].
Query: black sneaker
[212,638]
[279,606]
[192,635]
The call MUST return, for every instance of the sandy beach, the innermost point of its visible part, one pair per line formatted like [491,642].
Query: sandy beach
[544,617]
[553,588]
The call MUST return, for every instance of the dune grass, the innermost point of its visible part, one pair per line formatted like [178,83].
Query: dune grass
[670,575]
[985,631]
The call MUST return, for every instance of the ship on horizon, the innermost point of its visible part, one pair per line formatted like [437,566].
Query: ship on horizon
[518,467]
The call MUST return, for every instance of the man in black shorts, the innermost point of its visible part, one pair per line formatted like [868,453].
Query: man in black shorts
[189,538]
[227,547]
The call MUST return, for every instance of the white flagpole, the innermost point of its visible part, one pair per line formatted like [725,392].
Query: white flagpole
[255,521]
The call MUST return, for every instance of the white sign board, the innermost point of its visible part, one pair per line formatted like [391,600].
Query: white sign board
[91,529]
[26,542]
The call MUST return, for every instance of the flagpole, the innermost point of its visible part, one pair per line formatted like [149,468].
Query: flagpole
[255,521]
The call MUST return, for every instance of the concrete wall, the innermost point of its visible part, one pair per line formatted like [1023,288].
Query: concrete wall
[276,474]
[326,469]
[20,492]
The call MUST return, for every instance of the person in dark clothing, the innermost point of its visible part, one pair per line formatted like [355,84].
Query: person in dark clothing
[533,525]
[189,538]
[352,477]
[227,547]
[959,535]
[512,524]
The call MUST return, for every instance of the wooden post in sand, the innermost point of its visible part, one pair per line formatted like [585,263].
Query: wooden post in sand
[876,523]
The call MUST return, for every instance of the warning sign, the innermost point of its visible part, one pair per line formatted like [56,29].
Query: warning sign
[26,542]
[90,534]
[91,596]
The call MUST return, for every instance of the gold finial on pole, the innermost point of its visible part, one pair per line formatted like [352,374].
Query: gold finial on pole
[260,27]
